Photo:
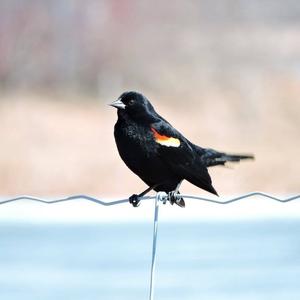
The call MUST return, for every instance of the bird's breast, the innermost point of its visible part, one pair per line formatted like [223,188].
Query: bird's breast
[135,141]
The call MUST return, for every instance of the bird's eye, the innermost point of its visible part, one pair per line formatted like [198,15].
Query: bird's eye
[131,101]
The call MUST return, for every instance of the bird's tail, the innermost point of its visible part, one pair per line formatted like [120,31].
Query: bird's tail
[212,157]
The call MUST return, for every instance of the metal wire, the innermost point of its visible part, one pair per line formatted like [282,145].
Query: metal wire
[159,197]
[165,198]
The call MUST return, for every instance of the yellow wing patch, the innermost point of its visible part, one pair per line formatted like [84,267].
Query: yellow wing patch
[165,140]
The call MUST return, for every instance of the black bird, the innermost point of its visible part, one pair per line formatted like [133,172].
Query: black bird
[159,154]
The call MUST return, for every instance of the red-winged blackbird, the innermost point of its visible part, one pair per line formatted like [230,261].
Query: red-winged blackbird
[159,154]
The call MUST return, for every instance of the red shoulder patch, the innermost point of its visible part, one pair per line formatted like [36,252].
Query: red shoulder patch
[165,140]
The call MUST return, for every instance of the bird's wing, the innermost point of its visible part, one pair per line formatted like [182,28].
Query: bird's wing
[180,156]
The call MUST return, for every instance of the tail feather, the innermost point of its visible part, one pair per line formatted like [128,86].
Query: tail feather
[212,157]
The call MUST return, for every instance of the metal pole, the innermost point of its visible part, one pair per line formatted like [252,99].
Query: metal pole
[155,225]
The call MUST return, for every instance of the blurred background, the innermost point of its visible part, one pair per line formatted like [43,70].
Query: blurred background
[224,73]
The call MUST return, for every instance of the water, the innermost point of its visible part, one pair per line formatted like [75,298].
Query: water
[204,260]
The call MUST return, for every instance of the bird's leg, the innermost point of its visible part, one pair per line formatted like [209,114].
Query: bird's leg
[134,199]
[172,195]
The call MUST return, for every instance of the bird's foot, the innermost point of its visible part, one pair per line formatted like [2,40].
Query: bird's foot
[173,198]
[134,200]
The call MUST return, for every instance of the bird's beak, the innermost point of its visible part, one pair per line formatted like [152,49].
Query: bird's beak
[118,104]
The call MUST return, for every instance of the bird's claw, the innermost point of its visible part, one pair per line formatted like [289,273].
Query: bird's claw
[134,200]
[172,197]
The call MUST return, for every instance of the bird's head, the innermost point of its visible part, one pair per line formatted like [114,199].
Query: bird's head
[135,106]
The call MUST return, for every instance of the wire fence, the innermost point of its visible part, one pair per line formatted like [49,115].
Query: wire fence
[164,199]
[160,197]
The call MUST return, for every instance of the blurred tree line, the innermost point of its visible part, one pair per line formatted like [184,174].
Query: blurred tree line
[174,47]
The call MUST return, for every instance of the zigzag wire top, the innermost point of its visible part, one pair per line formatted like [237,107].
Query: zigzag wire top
[120,201]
